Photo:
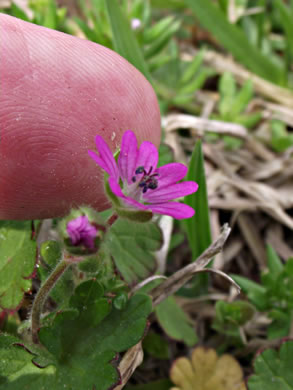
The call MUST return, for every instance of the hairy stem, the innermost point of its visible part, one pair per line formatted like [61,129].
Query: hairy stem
[112,219]
[42,296]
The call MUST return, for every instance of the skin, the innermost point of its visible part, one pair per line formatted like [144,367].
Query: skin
[57,93]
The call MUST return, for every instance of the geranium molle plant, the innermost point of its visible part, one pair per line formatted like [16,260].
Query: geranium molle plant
[138,184]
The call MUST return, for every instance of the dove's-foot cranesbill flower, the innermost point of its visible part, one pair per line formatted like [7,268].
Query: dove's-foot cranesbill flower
[137,181]
[82,232]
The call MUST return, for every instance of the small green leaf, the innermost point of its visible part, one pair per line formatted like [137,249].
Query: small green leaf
[274,262]
[131,245]
[198,227]
[175,322]
[236,313]
[17,261]
[280,327]
[156,46]
[227,87]
[280,138]
[157,30]
[248,120]
[195,84]
[242,99]
[124,39]
[51,252]
[192,68]
[273,369]
[255,292]
[230,316]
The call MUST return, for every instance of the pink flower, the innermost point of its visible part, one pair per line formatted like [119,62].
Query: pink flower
[135,23]
[82,232]
[138,182]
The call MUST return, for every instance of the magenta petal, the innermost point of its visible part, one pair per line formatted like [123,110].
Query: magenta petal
[128,155]
[74,235]
[170,192]
[174,209]
[77,224]
[171,173]
[99,161]
[81,231]
[147,156]
[115,188]
[106,159]
[83,222]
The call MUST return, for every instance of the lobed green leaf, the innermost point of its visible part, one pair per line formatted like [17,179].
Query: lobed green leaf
[17,261]
[131,245]
[273,369]
[81,345]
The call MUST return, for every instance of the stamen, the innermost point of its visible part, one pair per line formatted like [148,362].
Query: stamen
[148,180]
[139,170]
[153,184]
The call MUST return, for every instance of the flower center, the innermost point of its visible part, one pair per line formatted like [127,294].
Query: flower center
[147,181]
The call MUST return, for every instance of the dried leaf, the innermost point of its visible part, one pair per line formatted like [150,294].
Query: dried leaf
[207,371]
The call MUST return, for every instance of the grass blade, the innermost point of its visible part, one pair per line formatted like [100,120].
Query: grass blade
[124,40]
[286,16]
[234,40]
[274,262]
[198,227]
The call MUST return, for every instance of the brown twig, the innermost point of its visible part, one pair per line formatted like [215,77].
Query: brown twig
[177,280]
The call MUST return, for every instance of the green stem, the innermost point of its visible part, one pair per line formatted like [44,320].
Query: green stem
[42,296]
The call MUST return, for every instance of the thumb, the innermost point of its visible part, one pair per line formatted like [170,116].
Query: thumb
[57,93]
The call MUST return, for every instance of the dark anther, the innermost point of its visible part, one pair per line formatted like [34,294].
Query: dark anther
[148,180]
[153,184]
[139,170]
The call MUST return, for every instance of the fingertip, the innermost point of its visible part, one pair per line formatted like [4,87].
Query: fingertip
[57,93]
